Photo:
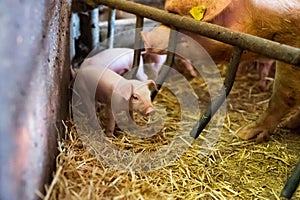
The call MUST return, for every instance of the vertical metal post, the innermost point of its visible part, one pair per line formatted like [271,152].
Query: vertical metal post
[111,27]
[216,103]
[137,45]
[74,33]
[166,68]
[95,27]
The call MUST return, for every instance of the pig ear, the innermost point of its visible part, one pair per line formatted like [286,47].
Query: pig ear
[126,90]
[213,7]
[73,71]
[151,85]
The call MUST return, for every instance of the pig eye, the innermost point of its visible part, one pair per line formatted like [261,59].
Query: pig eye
[135,97]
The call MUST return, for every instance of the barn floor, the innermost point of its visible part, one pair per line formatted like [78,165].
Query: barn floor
[233,169]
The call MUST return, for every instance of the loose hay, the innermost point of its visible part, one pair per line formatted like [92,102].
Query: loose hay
[233,170]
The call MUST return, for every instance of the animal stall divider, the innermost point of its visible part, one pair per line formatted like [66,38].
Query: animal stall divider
[137,44]
[240,41]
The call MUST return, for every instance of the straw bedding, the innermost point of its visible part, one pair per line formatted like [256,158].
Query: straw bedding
[233,169]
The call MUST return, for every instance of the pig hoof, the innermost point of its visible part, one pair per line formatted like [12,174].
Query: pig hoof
[251,132]
[109,133]
[193,73]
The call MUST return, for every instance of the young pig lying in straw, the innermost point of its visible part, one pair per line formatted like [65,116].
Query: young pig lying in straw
[277,20]
[112,87]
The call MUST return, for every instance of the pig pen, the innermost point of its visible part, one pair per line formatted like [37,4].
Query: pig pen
[234,169]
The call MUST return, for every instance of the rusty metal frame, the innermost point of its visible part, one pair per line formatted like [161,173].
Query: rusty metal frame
[240,41]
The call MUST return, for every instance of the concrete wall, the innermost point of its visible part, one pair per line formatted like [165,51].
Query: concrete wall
[34,77]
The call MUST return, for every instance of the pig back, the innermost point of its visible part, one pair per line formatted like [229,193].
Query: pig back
[277,20]
[107,82]
[118,60]
[99,83]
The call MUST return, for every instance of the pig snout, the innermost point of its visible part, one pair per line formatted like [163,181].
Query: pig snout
[150,111]
[145,109]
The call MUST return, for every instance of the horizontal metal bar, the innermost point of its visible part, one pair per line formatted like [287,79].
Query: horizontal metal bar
[252,43]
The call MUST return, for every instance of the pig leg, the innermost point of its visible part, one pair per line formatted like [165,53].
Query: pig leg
[110,123]
[85,96]
[285,96]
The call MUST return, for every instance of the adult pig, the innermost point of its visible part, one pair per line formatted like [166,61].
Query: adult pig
[277,20]
[98,83]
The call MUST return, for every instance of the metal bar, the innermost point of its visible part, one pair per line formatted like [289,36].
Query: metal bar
[216,103]
[111,27]
[166,68]
[252,43]
[137,45]
[74,33]
[95,31]
[292,183]
[232,69]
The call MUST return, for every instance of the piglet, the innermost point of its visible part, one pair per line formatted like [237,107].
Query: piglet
[119,60]
[263,67]
[97,82]
[156,44]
